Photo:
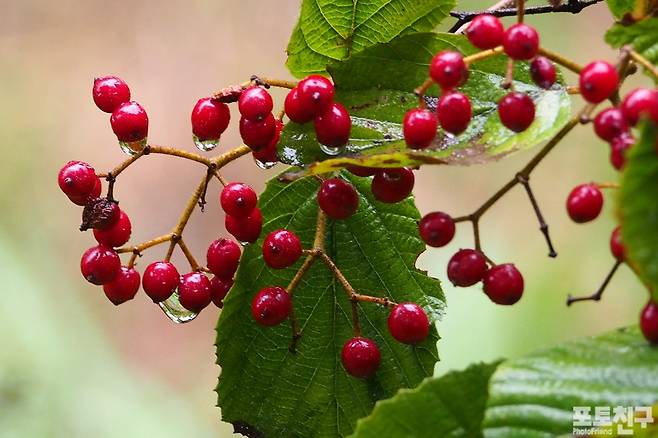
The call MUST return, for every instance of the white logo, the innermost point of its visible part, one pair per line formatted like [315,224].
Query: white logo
[603,420]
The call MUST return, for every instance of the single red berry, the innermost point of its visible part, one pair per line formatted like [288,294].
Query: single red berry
[649,322]
[419,128]
[448,69]
[408,323]
[271,305]
[360,357]
[281,248]
[466,267]
[85,199]
[160,280]
[362,171]
[238,199]
[109,92]
[296,110]
[130,122]
[598,80]
[255,103]
[584,203]
[223,258]
[268,154]
[257,134]
[333,125]
[338,198]
[454,110]
[618,148]
[521,42]
[100,264]
[392,185]
[124,287]
[118,234]
[485,32]
[219,288]
[194,291]
[78,180]
[516,111]
[617,245]
[245,229]
[610,123]
[503,284]
[436,229]
[641,102]
[210,118]
[543,72]
[315,93]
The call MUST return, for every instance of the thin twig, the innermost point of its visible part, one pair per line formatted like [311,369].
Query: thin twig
[644,62]
[596,296]
[543,226]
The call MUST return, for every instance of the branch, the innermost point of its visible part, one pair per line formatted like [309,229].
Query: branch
[596,296]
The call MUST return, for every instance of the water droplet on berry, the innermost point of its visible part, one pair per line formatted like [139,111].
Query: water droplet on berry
[206,145]
[175,311]
[329,150]
[265,164]
[132,147]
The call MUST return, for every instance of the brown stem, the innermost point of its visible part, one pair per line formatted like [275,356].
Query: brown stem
[188,255]
[543,226]
[508,82]
[272,82]
[520,10]
[294,325]
[644,62]
[596,296]
[559,59]
[138,249]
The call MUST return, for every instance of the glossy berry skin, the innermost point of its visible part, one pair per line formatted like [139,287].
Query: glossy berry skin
[100,264]
[466,267]
[649,322]
[210,118]
[130,122]
[271,306]
[296,110]
[84,200]
[610,123]
[638,103]
[245,229]
[392,185]
[618,148]
[255,103]
[408,323]
[543,72]
[257,134]
[124,287]
[315,93]
[521,42]
[598,80]
[448,69]
[160,280]
[223,257]
[194,291]
[436,229]
[281,248]
[361,357]
[362,171]
[109,92]
[333,125]
[269,153]
[338,198]
[238,199]
[219,288]
[503,284]
[118,234]
[617,245]
[454,110]
[419,128]
[485,32]
[78,181]
[584,203]
[516,111]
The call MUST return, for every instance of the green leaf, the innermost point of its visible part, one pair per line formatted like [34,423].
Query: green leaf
[452,405]
[308,393]
[377,88]
[337,29]
[643,36]
[638,205]
[619,8]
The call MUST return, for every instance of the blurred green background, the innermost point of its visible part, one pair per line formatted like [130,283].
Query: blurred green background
[73,365]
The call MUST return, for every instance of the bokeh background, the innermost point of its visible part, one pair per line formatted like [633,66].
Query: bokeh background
[73,365]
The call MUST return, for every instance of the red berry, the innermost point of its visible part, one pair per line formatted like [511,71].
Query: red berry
[84,200]
[649,322]
[360,357]
[503,284]
[454,110]
[109,92]
[408,323]
[617,245]
[124,287]
[315,94]
[257,134]
[392,185]
[223,258]
[419,128]
[638,103]
[100,264]
[281,248]
[271,305]
[618,148]
[598,80]
[295,108]
[118,234]
[362,171]
[210,118]
[130,122]
[78,181]
[269,153]
[219,288]
[436,229]
[485,32]
[245,229]
[194,291]
[609,123]
[333,125]
[448,69]
[160,280]
[238,199]
[255,103]
[466,267]
[521,42]
[338,198]
[543,72]
[584,203]
[516,111]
